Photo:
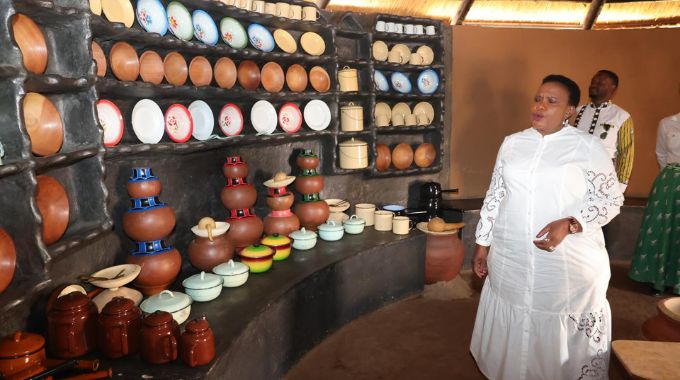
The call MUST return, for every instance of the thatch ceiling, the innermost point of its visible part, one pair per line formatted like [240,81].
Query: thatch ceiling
[596,14]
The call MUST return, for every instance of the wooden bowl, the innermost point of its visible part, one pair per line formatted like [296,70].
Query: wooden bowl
[225,72]
[8,259]
[124,61]
[383,157]
[151,67]
[175,68]
[53,205]
[425,155]
[43,124]
[296,78]
[402,156]
[249,75]
[319,78]
[99,59]
[31,42]
[200,71]
[272,77]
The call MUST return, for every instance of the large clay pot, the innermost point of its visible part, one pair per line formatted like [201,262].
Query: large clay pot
[72,326]
[443,257]
[148,219]
[245,228]
[307,160]
[310,184]
[282,225]
[238,196]
[666,325]
[160,266]
[312,214]
[205,254]
[143,184]
[119,327]
[281,203]
[235,167]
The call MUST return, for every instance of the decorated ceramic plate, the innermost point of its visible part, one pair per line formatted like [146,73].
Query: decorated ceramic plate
[263,117]
[285,41]
[424,108]
[427,54]
[203,120]
[231,120]
[233,33]
[119,11]
[178,123]
[312,43]
[152,17]
[290,118]
[111,121]
[205,29]
[179,21]
[317,115]
[400,82]
[148,122]
[381,82]
[260,37]
[428,81]
[401,109]
[382,108]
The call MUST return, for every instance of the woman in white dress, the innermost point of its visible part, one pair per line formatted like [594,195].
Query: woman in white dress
[543,312]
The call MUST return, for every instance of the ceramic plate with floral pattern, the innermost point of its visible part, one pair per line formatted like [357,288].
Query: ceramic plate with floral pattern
[260,37]
[231,120]
[290,118]
[233,33]
[400,82]
[178,123]
[380,81]
[179,21]
[152,17]
[205,29]
[428,81]
[111,121]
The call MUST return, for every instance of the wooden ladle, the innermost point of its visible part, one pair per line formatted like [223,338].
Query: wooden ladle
[439,225]
[209,224]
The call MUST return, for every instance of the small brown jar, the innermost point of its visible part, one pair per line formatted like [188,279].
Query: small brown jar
[22,353]
[72,326]
[198,343]
[119,326]
[307,159]
[235,167]
[159,338]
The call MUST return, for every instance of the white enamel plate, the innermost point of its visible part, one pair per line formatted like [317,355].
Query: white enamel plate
[148,122]
[263,117]
[317,115]
[203,120]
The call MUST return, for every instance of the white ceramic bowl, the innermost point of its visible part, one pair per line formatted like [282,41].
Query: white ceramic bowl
[233,274]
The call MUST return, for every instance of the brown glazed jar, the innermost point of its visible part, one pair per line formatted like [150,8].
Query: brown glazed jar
[205,254]
[235,167]
[159,338]
[22,353]
[198,343]
[72,326]
[240,195]
[307,159]
[160,264]
[119,326]
[312,214]
[309,184]
[245,228]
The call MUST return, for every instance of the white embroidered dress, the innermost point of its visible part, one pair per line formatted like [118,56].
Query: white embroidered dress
[544,315]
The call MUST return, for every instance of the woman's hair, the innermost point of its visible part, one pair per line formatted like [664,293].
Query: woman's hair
[570,85]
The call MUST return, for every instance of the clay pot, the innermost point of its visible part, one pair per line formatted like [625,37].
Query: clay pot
[124,61]
[175,68]
[72,326]
[244,231]
[150,224]
[143,184]
[281,203]
[309,184]
[235,168]
[665,326]
[151,67]
[43,124]
[239,196]
[54,207]
[312,214]
[119,324]
[99,59]
[443,257]
[282,225]
[8,260]
[383,157]
[402,156]
[197,343]
[159,269]
[159,338]
[272,77]
[225,72]
[31,42]
[22,353]
[248,75]
[205,254]
[296,78]
[319,79]
[307,160]
[200,71]
[425,155]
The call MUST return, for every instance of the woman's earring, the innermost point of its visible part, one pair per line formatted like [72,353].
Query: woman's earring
[565,122]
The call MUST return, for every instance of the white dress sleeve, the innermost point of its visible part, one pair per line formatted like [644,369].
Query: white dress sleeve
[492,202]
[661,152]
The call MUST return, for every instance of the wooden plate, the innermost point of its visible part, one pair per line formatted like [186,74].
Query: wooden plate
[53,205]
[425,155]
[99,59]
[312,43]
[319,79]
[124,61]
[248,75]
[151,67]
[383,157]
[200,71]
[8,259]
[175,68]
[402,156]
[43,124]
[119,11]
[272,77]
[285,41]
[225,72]
[296,78]
[31,42]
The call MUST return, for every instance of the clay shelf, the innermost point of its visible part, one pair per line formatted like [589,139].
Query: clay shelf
[337,170]
[351,33]
[41,8]
[352,62]
[401,37]
[354,94]
[405,130]
[217,8]
[63,159]
[52,83]
[7,169]
[397,96]
[400,67]
[407,172]
[366,131]
[90,234]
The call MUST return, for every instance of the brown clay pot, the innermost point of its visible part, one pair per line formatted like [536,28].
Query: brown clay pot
[53,205]
[312,214]
[197,345]
[665,326]
[144,189]
[205,254]
[22,353]
[159,270]
[309,184]
[159,338]
[200,71]
[31,42]
[239,196]
[281,203]
[72,326]
[99,59]
[151,67]
[296,78]
[8,259]
[443,257]
[272,77]
[307,161]
[248,75]
[119,324]
[124,61]
[152,224]
[235,168]
[245,231]
[43,124]
[282,225]
[383,157]
[225,72]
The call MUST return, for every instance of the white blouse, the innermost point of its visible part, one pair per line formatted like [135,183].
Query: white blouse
[668,141]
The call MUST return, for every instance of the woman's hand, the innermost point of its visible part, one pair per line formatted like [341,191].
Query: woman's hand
[552,235]
[479,261]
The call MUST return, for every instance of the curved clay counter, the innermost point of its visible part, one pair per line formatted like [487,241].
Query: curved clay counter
[264,327]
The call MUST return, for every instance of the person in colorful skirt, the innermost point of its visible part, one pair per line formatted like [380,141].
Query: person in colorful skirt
[543,312]
[657,254]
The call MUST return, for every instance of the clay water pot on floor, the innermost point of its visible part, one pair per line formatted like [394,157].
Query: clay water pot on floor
[245,228]
[238,193]
[143,184]
[160,264]
[312,213]
[235,167]
[119,325]
[665,326]
[148,219]
[197,345]
[72,326]
[159,338]
[211,246]
[444,251]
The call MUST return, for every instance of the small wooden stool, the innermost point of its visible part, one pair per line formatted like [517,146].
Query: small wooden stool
[649,360]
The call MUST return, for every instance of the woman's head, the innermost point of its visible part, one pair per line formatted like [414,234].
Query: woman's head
[554,102]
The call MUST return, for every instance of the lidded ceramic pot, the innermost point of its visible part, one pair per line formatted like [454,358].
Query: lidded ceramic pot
[233,273]
[303,239]
[348,79]
[159,338]
[203,287]
[120,323]
[259,258]
[281,245]
[210,247]
[353,154]
[176,303]
[72,326]
[22,353]
[330,231]
[160,264]
[352,118]
[354,225]
[197,343]
[143,184]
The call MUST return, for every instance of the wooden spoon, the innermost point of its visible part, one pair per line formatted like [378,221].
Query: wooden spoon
[207,223]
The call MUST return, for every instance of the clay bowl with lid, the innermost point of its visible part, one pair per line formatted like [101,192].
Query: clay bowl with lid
[151,67]
[425,155]
[383,157]
[53,205]
[124,61]
[31,42]
[175,68]
[248,75]
[99,59]
[272,77]
[22,355]
[402,156]
[200,71]
[225,72]
[296,78]
[319,79]
[43,124]
[8,259]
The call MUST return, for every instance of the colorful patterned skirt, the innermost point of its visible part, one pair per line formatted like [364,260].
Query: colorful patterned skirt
[657,254]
